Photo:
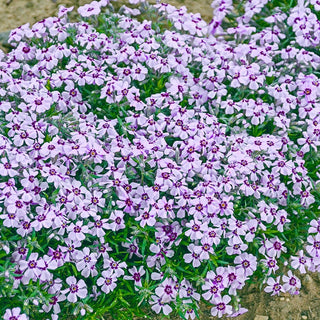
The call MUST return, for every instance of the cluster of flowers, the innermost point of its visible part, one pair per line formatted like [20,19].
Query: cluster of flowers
[167,160]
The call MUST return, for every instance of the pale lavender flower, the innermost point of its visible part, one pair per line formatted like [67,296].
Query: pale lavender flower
[86,262]
[236,279]
[274,287]
[159,305]
[133,248]
[117,221]
[136,276]
[166,290]
[89,9]
[274,247]
[313,248]
[247,262]
[292,284]
[196,229]
[76,289]
[194,256]
[187,291]
[31,268]
[108,281]
[77,231]
[301,262]
[63,11]
[271,265]
[114,266]
[14,314]
[221,306]
[54,303]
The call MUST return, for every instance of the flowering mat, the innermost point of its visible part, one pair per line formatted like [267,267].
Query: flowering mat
[151,163]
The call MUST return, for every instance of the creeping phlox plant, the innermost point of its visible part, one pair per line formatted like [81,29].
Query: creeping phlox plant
[151,160]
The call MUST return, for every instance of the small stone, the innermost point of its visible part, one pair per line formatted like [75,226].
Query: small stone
[304,317]
[261,318]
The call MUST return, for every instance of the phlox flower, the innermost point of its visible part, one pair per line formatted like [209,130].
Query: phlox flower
[115,266]
[14,314]
[77,231]
[24,227]
[63,11]
[214,289]
[273,247]
[159,305]
[196,228]
[314,226]
[190,313]
[117,221]
[97,228]
[136,276]
[6,168]
[274,287]
[247,262]
[76,289]
[160,253]
[166,291]
[187,291]
[235,247]
[86,262]
[221,306]
[207,248]
[271,265]
[194,256]
[316,4]
[236,279]
[165,208]
[31,268]
[54,303]
[56,256]
[20,253]
[132,248]
[52,173]
[291,283]
[146,218]
[91,9]
[301,262]
[313,247]
[15,205]
[108,281]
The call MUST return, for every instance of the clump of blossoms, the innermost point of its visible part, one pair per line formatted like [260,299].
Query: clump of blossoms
[151,160]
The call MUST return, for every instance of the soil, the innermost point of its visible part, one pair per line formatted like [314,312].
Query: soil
[305,306]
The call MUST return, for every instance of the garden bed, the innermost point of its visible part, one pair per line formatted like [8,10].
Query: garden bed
[284,306]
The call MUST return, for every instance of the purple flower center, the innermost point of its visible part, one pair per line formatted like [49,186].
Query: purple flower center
[292,281]
[277,245]
[195,227]
[168,289]
[277,287]
[221,306]
[137,277]
[74,288]
[118,220]
[316,245]
[7,166]
[245,263]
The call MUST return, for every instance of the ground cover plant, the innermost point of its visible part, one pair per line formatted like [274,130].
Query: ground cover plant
[149,160]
